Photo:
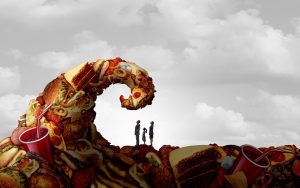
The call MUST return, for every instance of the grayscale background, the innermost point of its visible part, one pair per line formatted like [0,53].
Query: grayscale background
[226,71]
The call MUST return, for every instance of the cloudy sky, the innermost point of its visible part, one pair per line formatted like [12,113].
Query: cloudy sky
[226,71]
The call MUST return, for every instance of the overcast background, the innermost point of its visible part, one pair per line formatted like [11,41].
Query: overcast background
[225,71]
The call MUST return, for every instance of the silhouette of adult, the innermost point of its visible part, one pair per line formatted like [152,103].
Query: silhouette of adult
[144,135]
[137,132]
[151,133]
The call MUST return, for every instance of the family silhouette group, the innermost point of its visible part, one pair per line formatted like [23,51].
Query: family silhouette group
[137,133]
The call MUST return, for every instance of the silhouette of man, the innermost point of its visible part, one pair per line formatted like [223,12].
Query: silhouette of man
[137,132]
[144,135]
[151,132]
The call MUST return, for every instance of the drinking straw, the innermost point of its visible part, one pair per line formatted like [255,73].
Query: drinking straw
[39,119]
[263,155]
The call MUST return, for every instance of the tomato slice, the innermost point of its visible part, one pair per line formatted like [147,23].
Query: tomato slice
[23,163]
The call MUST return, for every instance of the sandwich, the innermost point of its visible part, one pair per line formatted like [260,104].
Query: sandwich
[17,158]
[7,151]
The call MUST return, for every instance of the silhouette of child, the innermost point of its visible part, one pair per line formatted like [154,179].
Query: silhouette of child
[144,135]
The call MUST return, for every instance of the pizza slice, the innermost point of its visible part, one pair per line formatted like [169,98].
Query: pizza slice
[56,137]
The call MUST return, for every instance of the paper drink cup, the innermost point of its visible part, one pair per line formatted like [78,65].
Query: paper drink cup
[40,146]
[246,164]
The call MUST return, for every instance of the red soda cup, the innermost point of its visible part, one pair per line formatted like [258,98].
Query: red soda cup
[245,163]
[41,145]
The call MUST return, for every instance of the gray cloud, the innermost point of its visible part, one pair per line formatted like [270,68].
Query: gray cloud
[9,79]
[11,108]
[87,48]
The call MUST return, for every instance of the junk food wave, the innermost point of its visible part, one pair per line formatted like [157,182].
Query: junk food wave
[84,158]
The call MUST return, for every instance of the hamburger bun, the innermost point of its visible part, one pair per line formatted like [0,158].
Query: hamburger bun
[52,90]
[7,181]
[12,178]
[39,180]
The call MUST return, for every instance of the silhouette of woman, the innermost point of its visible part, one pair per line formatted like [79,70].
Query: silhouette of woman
[144,135]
